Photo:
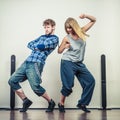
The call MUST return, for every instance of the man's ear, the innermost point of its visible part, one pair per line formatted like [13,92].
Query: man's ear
[53,27]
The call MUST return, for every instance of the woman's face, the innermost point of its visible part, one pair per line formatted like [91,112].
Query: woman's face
[69,29]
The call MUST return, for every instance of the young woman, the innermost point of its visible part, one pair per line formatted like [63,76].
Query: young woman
[72,62]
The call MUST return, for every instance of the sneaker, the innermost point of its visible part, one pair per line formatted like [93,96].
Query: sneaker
[61,107]
[83,107]
[26,105]
[51,106]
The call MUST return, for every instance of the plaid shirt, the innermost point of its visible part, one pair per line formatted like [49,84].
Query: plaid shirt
[49,41]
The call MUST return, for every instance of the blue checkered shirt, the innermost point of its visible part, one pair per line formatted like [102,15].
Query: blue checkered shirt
[49,41]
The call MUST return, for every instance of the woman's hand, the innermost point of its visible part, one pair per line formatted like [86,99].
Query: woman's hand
[82,16]
[67,45]
[64,45]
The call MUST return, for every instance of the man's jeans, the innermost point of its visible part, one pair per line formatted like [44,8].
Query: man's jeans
[28,71]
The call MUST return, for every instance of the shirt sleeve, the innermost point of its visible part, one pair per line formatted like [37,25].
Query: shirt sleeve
[51,43]
[33,44]
[41,46]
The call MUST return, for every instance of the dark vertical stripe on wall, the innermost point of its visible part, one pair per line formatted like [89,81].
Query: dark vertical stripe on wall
[103,81]
[12,93]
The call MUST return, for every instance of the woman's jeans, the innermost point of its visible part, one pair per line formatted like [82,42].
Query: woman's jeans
[71,69]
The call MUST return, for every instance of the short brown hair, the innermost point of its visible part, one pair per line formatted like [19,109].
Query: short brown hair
[49,22]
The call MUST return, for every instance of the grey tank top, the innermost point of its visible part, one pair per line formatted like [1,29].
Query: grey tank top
[76,51]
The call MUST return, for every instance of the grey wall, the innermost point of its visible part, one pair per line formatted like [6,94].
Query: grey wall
[21,22]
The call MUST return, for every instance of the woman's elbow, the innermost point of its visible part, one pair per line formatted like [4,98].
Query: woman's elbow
[94,20]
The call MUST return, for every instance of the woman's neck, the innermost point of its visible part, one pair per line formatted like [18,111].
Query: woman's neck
[74,36]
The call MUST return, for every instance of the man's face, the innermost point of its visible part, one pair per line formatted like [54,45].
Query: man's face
[49,29]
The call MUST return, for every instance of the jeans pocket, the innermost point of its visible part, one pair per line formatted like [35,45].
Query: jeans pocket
[39,69]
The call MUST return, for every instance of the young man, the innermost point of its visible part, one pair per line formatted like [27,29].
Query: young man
[72,62]
[32,67]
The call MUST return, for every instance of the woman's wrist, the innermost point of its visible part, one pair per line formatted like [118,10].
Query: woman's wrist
[93,19]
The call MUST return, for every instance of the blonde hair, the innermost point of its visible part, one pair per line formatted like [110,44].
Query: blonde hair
[71,22]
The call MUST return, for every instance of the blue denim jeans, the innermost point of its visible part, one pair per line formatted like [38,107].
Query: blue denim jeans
[28,71]
[71,69]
